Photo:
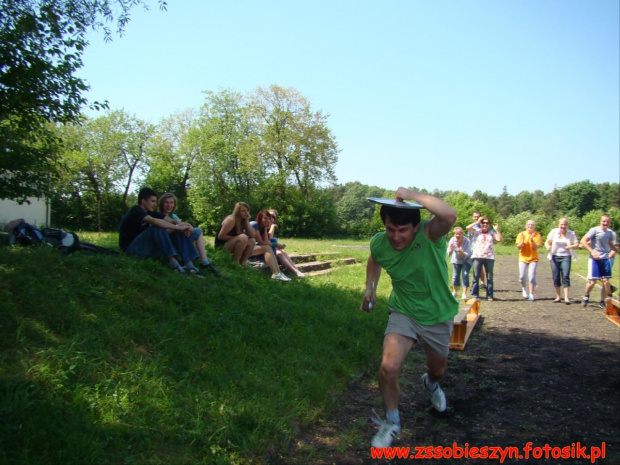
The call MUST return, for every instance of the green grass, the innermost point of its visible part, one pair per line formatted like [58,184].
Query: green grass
[117,360]
[113,360]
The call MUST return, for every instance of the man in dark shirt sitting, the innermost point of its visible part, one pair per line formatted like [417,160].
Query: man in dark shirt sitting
[144,233]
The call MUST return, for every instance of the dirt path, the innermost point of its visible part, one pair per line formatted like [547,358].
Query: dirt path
[535,372]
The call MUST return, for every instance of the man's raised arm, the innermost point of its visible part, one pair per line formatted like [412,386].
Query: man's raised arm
[444,215]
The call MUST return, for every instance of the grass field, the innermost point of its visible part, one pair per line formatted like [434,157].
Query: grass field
[113,360]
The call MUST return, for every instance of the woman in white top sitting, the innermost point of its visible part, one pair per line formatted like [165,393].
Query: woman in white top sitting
[560,243]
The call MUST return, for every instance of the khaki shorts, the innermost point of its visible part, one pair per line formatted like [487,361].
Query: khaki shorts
[435,337]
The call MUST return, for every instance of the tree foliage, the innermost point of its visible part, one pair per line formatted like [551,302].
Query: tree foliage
[41,47]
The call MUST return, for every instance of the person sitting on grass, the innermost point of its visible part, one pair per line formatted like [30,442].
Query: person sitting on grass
[264,247]
[264,222]
[144,233]
[236,235]
[167,205]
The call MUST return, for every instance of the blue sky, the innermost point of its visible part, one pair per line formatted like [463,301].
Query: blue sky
[436,94]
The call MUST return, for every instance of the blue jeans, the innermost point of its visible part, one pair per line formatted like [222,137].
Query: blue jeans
[560,269]
[457,269]
[155,242]
[488,264]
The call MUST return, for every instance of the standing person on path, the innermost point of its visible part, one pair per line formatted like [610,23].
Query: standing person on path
[421,306]
[528,242]
[483,254]
[599,241]
[476,216]
[460,248]
[560,243]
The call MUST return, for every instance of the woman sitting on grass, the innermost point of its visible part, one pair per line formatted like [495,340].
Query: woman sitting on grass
[264,248]
[167,205]
[265,221]
[236,235]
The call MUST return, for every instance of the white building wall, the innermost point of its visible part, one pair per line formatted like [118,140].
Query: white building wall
[37,213]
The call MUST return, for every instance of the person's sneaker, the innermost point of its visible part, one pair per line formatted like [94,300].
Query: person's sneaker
[280,277]
[438,398]
[531,298]
[601,304]
[585,300]
[178,269]
[194,271]
[211,269]
[464,296]
[257,264]
[454,294]
[524,293]
[387,432]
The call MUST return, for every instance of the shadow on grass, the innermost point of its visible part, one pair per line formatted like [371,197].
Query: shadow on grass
[116,360]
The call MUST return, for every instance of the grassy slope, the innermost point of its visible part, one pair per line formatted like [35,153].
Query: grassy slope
[116,360]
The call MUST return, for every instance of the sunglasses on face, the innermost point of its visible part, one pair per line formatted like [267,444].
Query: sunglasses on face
[485,222]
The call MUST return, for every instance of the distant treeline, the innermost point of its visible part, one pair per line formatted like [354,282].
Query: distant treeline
[268,148]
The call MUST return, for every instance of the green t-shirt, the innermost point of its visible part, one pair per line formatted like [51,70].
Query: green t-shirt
[419,277]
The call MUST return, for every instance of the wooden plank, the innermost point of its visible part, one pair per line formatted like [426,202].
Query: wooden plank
[464,323]
[612,311]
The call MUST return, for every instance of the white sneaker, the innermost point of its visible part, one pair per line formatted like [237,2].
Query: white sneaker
[280,277]
[387,432]
[464,296]
[531,297]
[524,293]
[438,398]
[454,294]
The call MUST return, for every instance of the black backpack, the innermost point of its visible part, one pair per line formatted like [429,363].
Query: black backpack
[67,242]
[26,234]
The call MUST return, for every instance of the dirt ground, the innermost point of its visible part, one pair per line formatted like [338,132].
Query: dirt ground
[538,372]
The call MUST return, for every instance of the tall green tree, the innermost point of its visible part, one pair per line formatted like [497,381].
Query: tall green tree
[41,47]
[296,144]
[579,197]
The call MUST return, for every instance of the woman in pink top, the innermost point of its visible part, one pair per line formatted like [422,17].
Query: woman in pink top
[483,254]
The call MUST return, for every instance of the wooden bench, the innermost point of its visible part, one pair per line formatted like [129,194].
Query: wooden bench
[464,323]
[612,311]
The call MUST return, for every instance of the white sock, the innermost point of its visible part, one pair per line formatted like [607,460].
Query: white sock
[393,417]
[430,385]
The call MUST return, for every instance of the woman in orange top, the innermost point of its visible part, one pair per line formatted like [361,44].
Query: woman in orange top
[528,242]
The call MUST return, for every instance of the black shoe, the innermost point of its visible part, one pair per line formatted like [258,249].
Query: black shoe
[211,269]
[601,304]
[194,271]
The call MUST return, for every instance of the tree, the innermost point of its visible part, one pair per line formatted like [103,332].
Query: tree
[100,159]
[41,47]
[174,152]
[504,205]
[228,168]
[296,145]
[355,212]
[579,197]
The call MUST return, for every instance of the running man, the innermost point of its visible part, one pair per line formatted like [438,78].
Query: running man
[422,307]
